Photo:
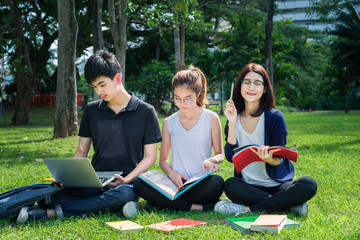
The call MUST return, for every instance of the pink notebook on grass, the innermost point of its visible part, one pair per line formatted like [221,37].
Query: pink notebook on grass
[175,224]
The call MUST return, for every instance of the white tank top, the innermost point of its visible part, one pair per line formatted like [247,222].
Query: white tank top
[189,148]
[254,173]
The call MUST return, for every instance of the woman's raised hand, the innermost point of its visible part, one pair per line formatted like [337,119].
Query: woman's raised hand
[230,111]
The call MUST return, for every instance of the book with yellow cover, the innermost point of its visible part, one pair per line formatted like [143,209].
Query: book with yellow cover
[124,225]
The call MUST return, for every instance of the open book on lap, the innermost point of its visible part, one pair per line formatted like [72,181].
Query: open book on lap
[165,186]
[244,156]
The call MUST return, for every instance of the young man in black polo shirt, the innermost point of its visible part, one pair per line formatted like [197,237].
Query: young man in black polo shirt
[124,132]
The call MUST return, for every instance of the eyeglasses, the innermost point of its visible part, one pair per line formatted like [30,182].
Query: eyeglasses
[257,83]
[186,101]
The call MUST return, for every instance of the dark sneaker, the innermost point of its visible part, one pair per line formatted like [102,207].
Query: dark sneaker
[29,214]
[148,207]
[130,209]
[301,210]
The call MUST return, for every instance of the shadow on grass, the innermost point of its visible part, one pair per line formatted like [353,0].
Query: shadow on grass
[14,157]
[26,141]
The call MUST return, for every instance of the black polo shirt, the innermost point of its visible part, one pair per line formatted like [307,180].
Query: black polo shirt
[118,139]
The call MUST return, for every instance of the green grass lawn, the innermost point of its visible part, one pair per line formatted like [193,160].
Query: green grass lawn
[329,151]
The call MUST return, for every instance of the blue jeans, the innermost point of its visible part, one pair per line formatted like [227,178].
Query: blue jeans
[91,201]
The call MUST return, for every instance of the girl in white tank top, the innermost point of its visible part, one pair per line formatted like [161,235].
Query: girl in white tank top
[191,133]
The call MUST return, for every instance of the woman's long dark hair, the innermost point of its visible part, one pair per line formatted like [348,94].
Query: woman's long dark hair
[266,100]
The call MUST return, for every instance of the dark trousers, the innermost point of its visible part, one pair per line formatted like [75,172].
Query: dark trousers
[270,199]
[207,193]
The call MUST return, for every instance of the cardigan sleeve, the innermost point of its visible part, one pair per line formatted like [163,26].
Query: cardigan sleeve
[229,148]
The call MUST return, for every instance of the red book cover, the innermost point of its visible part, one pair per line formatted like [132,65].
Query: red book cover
[245,156]
[175,224]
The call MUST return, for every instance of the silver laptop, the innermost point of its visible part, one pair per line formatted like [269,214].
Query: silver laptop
[78,172]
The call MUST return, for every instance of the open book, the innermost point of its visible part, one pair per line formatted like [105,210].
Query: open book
[244,156]
[165,186]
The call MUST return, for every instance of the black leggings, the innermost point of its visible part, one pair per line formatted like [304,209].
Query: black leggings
[207,193]
[270,199]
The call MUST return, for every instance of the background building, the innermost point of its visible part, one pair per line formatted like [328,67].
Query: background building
[298,12]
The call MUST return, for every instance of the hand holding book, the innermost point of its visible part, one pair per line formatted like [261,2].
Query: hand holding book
[248,154]
[267,155]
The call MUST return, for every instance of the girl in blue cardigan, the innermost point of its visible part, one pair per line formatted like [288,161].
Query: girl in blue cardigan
[261,186]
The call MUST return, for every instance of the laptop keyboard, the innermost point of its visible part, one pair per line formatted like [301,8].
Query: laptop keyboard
[106,180]
[103,179]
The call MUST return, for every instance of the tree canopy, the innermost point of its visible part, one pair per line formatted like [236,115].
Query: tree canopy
[221,38]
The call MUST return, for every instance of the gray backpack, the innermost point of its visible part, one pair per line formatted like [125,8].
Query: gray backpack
[13,200]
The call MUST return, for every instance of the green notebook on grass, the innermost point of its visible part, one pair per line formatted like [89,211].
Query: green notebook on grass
[243,223]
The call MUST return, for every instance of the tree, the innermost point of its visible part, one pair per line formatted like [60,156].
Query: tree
[25,78]
[118,19]
[98,39]
[28,37]
[66,121]
[154,82]
[347,48]
[268,41]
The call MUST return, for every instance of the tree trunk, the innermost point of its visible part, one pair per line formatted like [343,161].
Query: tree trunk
[24,86]
[66,121]
[221,97]
[177,49]
[176,44]
[182,45]
[177,57]
[157,48]
[98,39]
[268,42]
[118,26]
[347,78]
[24,76]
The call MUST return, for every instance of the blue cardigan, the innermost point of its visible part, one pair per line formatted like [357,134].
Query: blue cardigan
[275,135]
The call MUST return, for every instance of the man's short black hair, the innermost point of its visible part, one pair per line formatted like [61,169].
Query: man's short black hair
[102,63]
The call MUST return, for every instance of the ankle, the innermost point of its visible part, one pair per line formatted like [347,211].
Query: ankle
[50,213]
[55,213]
[196,207]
